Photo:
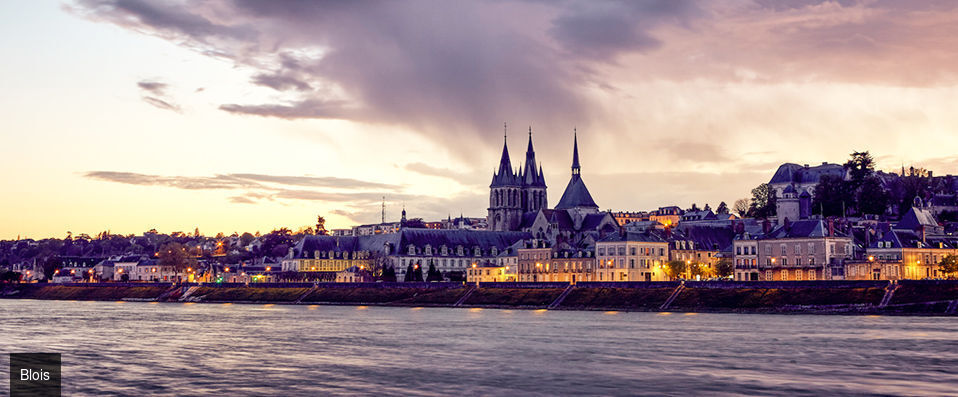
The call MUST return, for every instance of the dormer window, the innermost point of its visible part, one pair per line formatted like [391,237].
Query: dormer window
[443,250]
[459,250]
[427,250]
[477,251]
[412,249]
[495,251]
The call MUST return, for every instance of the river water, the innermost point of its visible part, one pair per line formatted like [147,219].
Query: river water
[127,348]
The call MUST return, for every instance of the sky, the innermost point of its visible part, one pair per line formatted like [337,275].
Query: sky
[233,116]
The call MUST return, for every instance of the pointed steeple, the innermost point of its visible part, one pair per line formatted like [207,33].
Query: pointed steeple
[530,176]
[575,152]
[505,175]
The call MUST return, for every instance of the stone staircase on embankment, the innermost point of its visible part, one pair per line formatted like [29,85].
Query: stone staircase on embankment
[464,296]
[889,293]
[558,300]
[675,294]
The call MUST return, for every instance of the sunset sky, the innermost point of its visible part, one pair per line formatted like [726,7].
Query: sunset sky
[127,115]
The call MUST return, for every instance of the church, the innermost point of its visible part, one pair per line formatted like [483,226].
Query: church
[518,201]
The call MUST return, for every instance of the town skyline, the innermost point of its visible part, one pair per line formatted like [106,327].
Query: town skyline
[129,116]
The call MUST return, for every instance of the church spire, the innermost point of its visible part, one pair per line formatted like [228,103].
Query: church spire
[504,175]
[575,152]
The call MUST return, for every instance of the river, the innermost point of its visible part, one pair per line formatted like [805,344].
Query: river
[131,348]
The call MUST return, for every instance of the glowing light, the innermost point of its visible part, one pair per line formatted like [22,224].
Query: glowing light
[475,309]
[691,314]
[611,312]
[416,308]
[312,307]
[541,310]
[226,269]
[362,307]
[665,313]
[268,268]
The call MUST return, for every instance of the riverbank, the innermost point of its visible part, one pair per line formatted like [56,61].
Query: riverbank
[909,297]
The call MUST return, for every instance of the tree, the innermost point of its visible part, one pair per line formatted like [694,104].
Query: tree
[741,207]
[321,226]
[175,255]
[409,274]
[724,268]
[694,208]
[722,208]
[389,275]
[675,269]
[10,277]
[860,166]
[707,208]
[417,273]
[377,263]
[948,264]
[433,274]
[763,201]
[832,196]
[872,197]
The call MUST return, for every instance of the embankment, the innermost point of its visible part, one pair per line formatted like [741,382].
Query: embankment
[822,297]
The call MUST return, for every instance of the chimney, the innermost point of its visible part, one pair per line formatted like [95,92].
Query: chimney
[788,224]
[766,226]
[831,227]
[922,233]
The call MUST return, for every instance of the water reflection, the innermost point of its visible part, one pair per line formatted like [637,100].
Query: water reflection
[173,349]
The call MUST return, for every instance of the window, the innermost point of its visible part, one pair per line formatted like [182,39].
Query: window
[811,274]
[753,250]
[601,251]
[784,275]
[768,275]
[798,275]
[632,250]
[768,250]
[738,250]
[631,263]
[798,249]
[783,250]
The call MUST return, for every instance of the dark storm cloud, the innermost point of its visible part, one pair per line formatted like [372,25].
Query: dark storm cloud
[601,30]
[454,70]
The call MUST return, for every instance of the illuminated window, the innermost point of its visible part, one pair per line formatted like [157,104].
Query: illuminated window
[784,275]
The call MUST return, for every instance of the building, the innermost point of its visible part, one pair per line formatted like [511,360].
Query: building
[490,273]
[700,245]
[512,194]
[803,250]
[911,249]
[541,262]
[794,187]
[745,257]
[625,217]
[632,257]
[667,216]
[449,251]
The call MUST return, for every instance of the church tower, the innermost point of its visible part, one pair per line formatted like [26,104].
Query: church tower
[533,182]
[576,199]
[505,194]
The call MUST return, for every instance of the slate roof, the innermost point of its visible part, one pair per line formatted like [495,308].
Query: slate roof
[801,229]
[576,195]
[909,239]
[648,236]
[790,172]
[436,238]
[706,238]
[915,218]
